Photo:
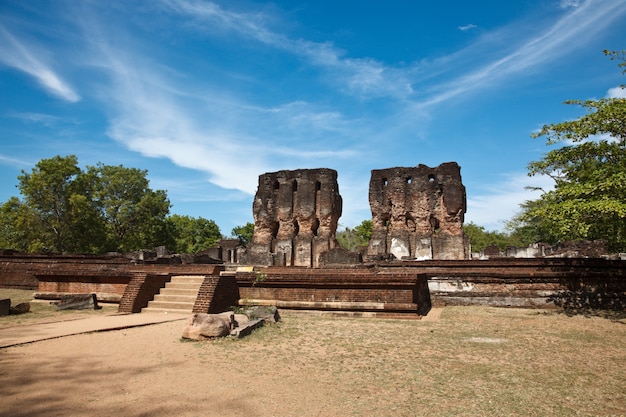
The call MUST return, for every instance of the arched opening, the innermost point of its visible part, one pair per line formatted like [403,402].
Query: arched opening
[434,222]
[276,185]
[315,226]
[294,186]
[275,227]
[431,178]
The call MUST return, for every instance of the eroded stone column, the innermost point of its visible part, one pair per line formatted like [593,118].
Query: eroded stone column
[295,217]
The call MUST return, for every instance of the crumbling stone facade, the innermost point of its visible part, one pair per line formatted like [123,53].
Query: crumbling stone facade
[418,212]
[295,217]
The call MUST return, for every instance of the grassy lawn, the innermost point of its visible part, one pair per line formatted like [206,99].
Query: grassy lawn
[43,310]
[473,361]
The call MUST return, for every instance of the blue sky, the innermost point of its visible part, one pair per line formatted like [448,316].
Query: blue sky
[207,95]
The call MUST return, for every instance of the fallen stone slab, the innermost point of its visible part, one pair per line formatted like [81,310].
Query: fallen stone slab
[247,328]
[78,302]
[269,314]
[21,308]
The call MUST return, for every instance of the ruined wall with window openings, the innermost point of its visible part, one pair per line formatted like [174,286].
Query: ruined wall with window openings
[295,217]
[418,212]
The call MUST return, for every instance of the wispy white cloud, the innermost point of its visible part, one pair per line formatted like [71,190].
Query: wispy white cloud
[580,24]
[467,27]
[23,57]
[364,77]
[495,204]
[18,163]
[47,120]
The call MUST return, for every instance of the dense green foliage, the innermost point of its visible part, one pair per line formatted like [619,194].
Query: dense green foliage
[351,239]
[481,238]
[589,171]
[244,233]
[192,235]
[65,209]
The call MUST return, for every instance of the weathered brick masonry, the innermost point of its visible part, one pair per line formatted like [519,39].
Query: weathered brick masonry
[352,289]
[217,294]
[396,286]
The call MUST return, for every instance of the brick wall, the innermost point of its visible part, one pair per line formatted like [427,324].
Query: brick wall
[140,290]
[363,289]
[217,294]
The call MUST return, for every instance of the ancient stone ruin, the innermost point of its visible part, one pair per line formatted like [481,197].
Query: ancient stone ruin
[417,213]
[295,217]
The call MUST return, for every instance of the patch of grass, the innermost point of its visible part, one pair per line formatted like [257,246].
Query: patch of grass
[43,311]
[472,361]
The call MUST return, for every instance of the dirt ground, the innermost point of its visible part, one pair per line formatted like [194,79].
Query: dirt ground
[461,361]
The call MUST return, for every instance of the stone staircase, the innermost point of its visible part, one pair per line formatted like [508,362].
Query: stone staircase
[178,295]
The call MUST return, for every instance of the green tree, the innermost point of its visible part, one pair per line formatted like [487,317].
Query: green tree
[244,233]
[589,171]
[13,234]
[481,238]
[192,235]
[360,235]
[58,205]
[65,209]
[134,215]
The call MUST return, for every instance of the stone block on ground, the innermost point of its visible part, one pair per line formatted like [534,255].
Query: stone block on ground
[21,308]
[247,328]
[5,307]
[78,302]
[202,326]
[269,314]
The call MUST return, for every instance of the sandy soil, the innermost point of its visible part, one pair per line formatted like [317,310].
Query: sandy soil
[327,367]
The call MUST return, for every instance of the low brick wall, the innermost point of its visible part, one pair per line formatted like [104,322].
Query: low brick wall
[351,289]
[398,286]
[27,271]
[539,282]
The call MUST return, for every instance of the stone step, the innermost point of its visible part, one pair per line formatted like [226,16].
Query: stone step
[185,298]
[183,286]
[179,291]
[189,279]
[171,305]
[164,310]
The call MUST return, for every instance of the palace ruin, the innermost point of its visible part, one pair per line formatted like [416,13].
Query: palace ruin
[418,212]
[295,217]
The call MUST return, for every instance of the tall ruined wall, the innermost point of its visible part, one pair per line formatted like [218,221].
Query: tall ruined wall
[418,212]
[295,217]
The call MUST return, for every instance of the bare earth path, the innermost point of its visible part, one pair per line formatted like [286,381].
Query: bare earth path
[469,362]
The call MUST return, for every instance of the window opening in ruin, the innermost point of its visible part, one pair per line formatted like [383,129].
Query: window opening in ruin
[318,186]
[409,180]
[435,225]
[276,185]
[431,178]
[275,227]
[294,186]
[410,223]
[315,226]
[385,182]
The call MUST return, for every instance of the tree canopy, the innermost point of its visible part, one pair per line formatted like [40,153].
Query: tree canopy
[244,233]
[65,209]
[191,234]
[360,235]
[589,172]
